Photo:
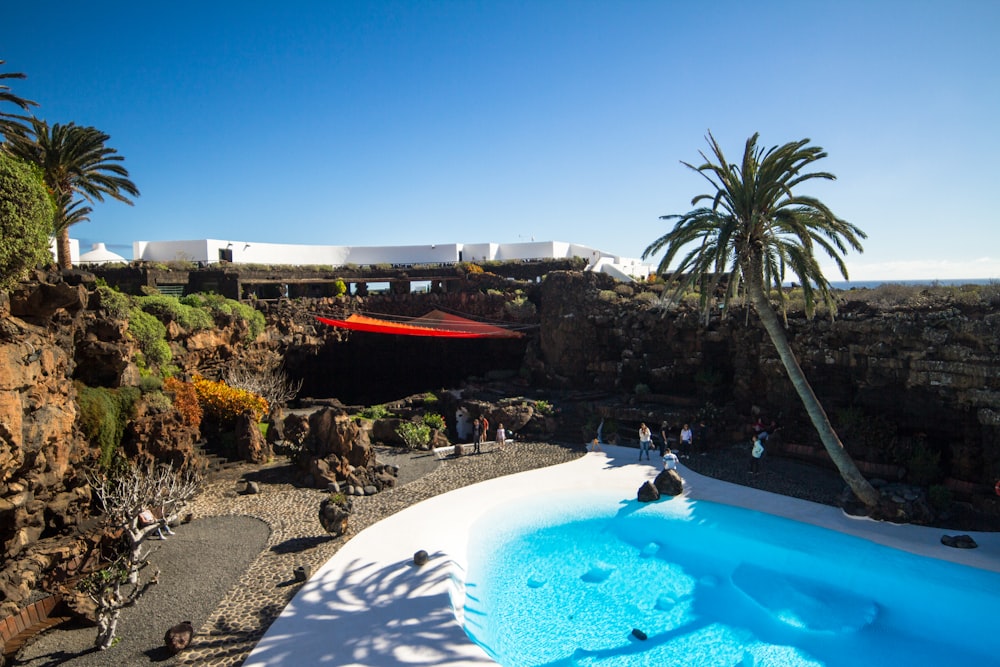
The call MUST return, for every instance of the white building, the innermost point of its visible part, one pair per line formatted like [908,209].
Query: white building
[208,251]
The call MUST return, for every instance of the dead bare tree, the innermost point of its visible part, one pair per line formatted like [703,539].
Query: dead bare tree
[139,502]
[264,376]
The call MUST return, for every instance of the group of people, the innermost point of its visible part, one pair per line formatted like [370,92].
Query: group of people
[686,439]
[480,433]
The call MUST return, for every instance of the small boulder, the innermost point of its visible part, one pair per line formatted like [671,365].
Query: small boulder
[669,483]
[178,637]
[420,558]
[648,493]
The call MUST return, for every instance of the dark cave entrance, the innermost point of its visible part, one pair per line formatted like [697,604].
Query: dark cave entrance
[369,368]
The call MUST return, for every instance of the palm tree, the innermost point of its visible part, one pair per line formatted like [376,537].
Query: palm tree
[75,160]
[13,123]
[749,231]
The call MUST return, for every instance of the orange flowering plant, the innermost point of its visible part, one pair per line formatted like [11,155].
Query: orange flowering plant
[225,403]
[185,398]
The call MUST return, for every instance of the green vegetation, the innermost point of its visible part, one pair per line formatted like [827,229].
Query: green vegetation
[543,407]
[416,436]
[113,302]
[374,412]
[75,161]
[520,308]
[26,218]
[170,309]
[151,336]
[103,416]
[745,235]
[434,420]
[13,123]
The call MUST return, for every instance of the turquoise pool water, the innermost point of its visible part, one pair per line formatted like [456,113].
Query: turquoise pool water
[563,580]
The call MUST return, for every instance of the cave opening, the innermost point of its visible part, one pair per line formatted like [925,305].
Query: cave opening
[369,369]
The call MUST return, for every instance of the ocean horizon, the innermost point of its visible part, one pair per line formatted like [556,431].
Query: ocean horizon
[871,284]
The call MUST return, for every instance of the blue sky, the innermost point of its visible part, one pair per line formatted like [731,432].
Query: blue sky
[398,123]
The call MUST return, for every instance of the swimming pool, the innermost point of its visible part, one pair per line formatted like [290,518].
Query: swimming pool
[564,579]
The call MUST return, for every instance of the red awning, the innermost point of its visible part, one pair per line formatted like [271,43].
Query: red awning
[434,323]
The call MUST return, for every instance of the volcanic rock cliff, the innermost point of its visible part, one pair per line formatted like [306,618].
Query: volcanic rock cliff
[903,385]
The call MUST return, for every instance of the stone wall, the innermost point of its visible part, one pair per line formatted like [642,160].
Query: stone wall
[925,377]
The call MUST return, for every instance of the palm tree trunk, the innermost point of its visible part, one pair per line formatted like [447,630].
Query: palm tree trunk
[834,447]
[64,257]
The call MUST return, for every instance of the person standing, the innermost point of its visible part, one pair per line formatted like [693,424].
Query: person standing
[485,435]
[501,436]
[756,452]
[664,444]
[687,439]
[476,434]
[669,460]
[645,437]
[701,435]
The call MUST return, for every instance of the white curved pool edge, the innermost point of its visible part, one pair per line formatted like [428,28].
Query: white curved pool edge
[369,606]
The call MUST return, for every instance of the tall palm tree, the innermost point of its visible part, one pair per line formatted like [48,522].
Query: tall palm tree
[752,229]
[75,160]
[12,123]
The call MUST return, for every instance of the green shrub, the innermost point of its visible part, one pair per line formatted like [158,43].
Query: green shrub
[149,383]
[26,214]
[647,297]
[607,296]
[624,290]
[434,420]
[641,389]
[416,436]
[520,308]
[113,302]
[374,412]
[170,308]
[543,407]
[339,287]
[254,319]
[103,416]
[150,334]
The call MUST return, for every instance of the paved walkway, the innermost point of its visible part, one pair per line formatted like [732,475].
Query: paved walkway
[370,606]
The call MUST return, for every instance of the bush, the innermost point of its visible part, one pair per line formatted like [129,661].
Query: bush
[170,308]
[543,407]
[641,389]
[26,214]
[113,302]
[434,420]
[150,383]
[224,403]
[520,308]
[103,416]
[607,296]
[416,436]
[185,399]
[374,412]
[150,334]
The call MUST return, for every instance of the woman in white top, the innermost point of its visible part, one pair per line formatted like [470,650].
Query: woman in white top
[686,438]
[645,438]
[501,435]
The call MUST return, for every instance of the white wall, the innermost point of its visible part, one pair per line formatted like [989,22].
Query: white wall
[252,252]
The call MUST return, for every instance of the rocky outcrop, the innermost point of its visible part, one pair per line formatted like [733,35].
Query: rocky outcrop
[895,382]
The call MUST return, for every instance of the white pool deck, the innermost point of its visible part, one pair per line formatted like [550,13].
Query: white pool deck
[370,606]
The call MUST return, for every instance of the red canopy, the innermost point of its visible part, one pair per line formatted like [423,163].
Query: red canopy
[434,323]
